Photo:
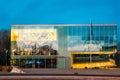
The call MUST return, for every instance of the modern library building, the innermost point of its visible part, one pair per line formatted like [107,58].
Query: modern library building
[64,46]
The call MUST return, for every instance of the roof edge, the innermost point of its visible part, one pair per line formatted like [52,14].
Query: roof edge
[63,24]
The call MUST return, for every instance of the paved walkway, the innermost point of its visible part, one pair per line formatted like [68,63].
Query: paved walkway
[57,78]
[62,74]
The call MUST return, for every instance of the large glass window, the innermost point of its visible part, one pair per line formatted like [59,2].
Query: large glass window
[35,40]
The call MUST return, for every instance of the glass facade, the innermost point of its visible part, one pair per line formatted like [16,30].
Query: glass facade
[49,46]
[103,38]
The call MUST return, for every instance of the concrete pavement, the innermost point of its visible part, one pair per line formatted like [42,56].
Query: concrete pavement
[62,74]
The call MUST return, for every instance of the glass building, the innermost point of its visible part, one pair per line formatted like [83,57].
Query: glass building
[64,45]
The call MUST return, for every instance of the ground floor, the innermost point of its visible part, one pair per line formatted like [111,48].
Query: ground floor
[76,60]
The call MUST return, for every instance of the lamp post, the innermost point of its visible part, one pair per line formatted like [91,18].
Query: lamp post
[90,44]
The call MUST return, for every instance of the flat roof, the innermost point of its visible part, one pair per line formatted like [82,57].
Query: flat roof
[64,24]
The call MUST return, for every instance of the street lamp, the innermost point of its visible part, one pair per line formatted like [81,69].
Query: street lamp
[90,45]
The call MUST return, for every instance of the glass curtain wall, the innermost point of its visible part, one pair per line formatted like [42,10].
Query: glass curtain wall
[37,45]
[34,46]
[103,38]
[92,45]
